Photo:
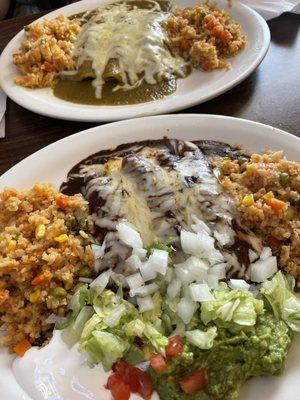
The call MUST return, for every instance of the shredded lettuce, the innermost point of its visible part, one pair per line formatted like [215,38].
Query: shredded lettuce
[105,347]
[231,306]
[105,326]
[134,355]
[202,339]
[156,339]
[285,304]
[72,333]
[134,328]
[79,299]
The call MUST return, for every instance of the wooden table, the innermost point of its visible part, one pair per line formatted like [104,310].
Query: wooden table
[271,95]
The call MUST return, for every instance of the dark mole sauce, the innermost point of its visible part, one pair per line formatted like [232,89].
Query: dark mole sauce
[209,148]
[175,148]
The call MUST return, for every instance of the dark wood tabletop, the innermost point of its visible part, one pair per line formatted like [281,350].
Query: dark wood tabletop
[271,95]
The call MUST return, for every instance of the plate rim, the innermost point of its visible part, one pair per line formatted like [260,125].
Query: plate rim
[269,129]
[158,107]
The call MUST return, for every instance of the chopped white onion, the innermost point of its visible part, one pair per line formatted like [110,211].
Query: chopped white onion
[186,309]
[102,280]
[200,245]
[147,271]
[133,262]
[254,289]
[200,292]
[169,274]
[212,281]
[145,303]
[129,236]
[261,270]
[219,271]
[183,273]
[185,292]
[224,234]
[266,253]
[240,284]
[215,257]
[144,290]
[158,260]
[53,319]
[141,253]
[85,280]
[196,244]
[174,288]
[199,226]
[252,255]
[135,281]
[198,268]
[98,251]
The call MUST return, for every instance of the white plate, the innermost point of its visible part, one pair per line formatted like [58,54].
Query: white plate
[197,88]
[52,163]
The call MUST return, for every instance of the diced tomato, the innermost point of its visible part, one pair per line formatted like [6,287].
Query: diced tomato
[158,363]
[138,381]
[48,66]
[120,367]
[118,388]
[132,378]
[146,387]
[120,391]
[112,380]
[194,382]
[175,347]
[63,201]
[211,23]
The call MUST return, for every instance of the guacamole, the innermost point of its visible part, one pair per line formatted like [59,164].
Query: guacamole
[234,358]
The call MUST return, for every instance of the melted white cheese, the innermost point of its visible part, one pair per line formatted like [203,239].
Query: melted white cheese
[56,373]
[132,36]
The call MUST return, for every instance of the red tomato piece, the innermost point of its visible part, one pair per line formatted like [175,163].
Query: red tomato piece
[120,367]
[146,387]
[194,382]
[158,363]
[137,380]
[121,391]
[132,378]
[175,347]
[118,388]
[112,380]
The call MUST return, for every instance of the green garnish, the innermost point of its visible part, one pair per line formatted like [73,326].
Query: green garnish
[59,292]
[81,217]
[16,236]
[242,160]
[166,246]
[284,178]
[85,272]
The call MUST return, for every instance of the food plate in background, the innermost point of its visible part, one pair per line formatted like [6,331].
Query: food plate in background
[198,87]
[52,164]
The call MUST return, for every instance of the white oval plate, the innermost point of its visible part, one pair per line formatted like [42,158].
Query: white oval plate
[52,164]
[195,89]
